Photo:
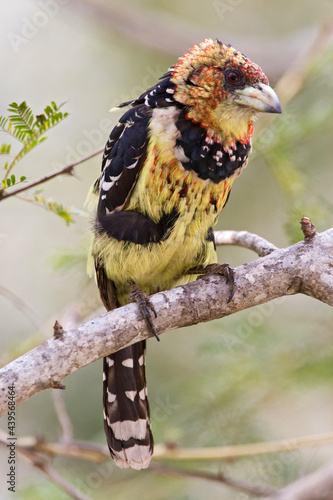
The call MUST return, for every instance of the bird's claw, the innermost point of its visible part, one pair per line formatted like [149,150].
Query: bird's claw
[146,307]
[219,269]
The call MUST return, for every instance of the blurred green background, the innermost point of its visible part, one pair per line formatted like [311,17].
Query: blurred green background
[263,374]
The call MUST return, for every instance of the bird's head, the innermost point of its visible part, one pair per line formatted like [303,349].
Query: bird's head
[222,90]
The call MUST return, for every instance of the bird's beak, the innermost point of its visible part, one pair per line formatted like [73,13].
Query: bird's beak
[261,98]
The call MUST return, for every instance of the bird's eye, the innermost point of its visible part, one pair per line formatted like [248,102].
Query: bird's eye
[233,77]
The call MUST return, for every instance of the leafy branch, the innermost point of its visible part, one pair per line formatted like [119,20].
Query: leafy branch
[28,129]
[50,205]
[10,181]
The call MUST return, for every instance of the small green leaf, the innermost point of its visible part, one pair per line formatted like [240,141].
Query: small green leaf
[5,149]
[13,179]
[8,182]
[13,106]
[48,110]
[22,178]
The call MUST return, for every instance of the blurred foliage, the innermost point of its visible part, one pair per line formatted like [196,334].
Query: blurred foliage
[42,491]
[70,260]
[66,213]
[305,124]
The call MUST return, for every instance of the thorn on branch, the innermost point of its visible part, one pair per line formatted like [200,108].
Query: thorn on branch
[56,384]
[308,229]
[58,330]
[39,461]
[70,170]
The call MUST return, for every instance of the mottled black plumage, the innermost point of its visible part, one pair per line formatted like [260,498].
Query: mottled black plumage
[107,288]
[123,158]
[160,95]
[207,156]
[125,150]
[210,236]
[135,227]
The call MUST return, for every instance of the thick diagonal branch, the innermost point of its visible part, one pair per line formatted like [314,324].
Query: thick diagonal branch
[306,267]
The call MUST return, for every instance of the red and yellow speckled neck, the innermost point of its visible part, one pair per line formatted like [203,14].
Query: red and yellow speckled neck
[164,185]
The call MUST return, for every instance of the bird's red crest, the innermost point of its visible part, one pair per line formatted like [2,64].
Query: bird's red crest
[214,53]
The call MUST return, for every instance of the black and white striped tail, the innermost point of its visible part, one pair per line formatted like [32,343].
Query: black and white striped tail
[126,407]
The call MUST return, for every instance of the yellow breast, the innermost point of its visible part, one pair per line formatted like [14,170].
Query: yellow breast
[164,185]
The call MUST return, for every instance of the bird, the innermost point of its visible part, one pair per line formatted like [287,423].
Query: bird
[167,170]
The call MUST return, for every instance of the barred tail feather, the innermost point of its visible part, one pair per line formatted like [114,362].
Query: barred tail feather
[126,407]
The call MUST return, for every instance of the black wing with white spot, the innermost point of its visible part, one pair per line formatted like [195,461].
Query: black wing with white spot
[158,96]
[123,158]
[125,151]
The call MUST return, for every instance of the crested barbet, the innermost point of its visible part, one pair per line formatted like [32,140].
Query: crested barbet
[167,171]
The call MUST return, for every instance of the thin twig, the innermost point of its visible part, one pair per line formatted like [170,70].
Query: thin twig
[61,482]
[82,450]
[261,491]
[63,417]
[245,239]
[39,461]
[241,450]
[67,170]
[97,453]
[20,305]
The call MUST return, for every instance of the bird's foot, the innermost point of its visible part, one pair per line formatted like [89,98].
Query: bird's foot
[220,269]
[146,307]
